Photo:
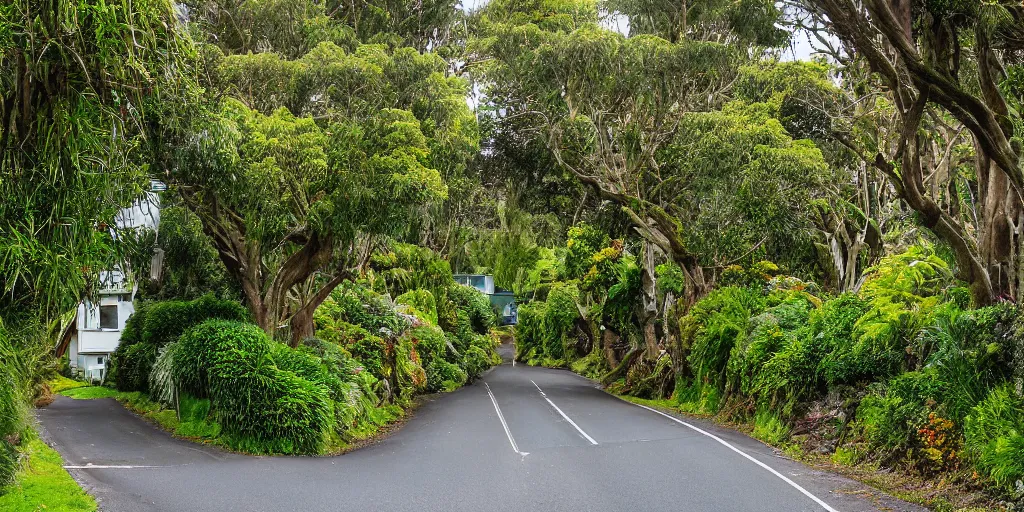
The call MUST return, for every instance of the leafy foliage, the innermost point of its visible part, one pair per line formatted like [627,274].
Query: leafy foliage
[994,436]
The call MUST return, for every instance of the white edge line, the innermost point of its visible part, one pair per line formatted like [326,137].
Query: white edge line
[752,459]
[571,422]
[503,424]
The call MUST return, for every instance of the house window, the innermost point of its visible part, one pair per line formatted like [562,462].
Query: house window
[99,360]
[108,317]
[478,283]
[88,316]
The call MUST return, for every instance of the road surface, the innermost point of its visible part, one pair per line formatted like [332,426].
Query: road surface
[519,439]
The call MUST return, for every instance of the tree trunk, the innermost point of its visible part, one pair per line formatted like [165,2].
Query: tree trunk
[997,239]
[301,326]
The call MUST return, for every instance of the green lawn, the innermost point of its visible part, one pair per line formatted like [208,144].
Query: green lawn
[62,383]
[43,484]
[88,392]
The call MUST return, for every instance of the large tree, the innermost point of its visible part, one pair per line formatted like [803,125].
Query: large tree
[946,69]
[315,161]
[631,117]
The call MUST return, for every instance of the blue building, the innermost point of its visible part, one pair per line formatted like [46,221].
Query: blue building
[503,301]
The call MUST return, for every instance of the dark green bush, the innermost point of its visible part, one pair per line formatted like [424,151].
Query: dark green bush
[134,326]
[213,343]
[260,407]
[770,333]
[165,321]
[994,437]
[264,409]
[474,304]
[583,240]
[831,341]
[430,343]
[891,418]
[479,356]
[354,399]
[371,352]
[560,314]
[134,364]
[359,305]
[444,376]
[11,416]
[529,331]
[720,320]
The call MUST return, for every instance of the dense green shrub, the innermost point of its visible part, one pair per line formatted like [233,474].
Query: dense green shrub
[430,343]
[154,325]
[359,305]
[263,409]
[831,340]
[890,419]
[771,362]
[409,267]
[260,407]
[355,398]
[444,376]
[583,240]
[473,311]
[11,415]
[215,343]
[371,352]
[134,364]
[479,356]
[529,331]
[719,322]
[134,326]
[994,437]
[422,303]
[969,351]
[166,320]
[560,314]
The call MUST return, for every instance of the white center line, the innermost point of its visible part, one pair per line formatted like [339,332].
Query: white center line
[503,424]
[571,422]
[752,459]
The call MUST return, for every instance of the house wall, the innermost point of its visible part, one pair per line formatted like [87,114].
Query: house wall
[98,341]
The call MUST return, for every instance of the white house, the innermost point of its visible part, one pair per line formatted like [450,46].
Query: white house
[95,331]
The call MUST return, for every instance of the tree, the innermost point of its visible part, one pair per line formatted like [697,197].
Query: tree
[622,114]
[84,88]
[945,65]
[294,205]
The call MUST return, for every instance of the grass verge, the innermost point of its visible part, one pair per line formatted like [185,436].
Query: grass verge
[43,484]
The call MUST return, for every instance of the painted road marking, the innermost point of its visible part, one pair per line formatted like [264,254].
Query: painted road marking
[503,424]
[752,459]
[101,466]
[571,422]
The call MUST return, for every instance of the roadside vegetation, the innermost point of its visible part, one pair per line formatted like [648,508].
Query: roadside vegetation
[41,483]
[825,251]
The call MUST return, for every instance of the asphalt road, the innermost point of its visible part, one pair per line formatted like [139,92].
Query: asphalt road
[558,443]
